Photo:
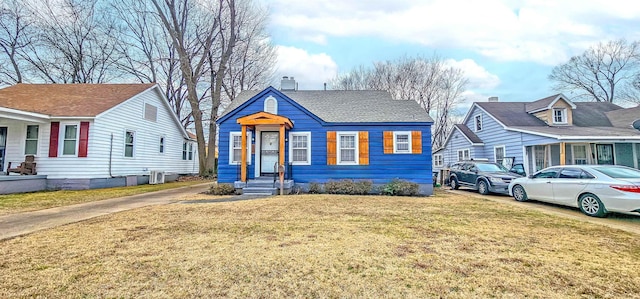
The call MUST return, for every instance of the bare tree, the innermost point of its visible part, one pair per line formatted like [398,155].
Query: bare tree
[428,81]
[75,42]
[603,73]
[15,36]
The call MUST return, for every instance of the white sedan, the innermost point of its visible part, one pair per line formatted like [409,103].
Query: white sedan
[595,189]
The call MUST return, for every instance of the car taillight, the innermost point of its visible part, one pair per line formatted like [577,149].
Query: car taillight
[627,188]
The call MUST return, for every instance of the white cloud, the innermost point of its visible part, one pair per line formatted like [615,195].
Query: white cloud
[479,77]
[547,32]
[311,71]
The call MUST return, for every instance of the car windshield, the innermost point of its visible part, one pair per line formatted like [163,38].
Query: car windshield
[619,172]
[490,167]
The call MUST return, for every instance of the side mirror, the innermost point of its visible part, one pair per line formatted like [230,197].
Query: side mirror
[530,176]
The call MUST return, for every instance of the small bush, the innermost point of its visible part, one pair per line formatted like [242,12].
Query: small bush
[348,187]
[222,189]
[315,188]
[400,188]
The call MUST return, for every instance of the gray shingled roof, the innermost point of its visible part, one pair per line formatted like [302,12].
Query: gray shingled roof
[349,105]
[511,113]
[541,103]
[593,114]
[468,133]
[624,118]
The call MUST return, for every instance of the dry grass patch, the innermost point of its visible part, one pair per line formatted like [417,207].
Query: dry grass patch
[325,246]
[22,202]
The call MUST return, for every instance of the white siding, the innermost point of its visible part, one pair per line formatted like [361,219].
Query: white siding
[16,135]
[126,116]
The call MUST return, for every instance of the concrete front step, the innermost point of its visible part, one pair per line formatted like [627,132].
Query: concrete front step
[259,190]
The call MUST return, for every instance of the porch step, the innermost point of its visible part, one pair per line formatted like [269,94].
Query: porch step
[259,190]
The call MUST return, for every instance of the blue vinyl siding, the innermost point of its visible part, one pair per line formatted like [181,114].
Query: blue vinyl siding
[381,169]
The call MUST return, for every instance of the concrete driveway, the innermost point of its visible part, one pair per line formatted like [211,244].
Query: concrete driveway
[626,223]
[18,224]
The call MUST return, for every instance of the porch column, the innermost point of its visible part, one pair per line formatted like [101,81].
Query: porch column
[563,155]
[281,148]
[243,154]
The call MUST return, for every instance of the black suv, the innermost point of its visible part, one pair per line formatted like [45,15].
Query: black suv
[482,176]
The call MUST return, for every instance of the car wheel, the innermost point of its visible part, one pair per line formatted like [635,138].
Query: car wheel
[591,205]
[453,182]
[519,194]
[483,188]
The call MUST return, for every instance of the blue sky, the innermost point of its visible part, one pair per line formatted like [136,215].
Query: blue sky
[507,48]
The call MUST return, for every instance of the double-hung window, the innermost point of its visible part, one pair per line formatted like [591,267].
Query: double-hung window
[559,115]
[463,155]
[184,150]
[31,142]
[348,148]
[161,144]
[498,154]
[129,143]
[437,160]
[402,142]
[70,140]
[235,147]
[190,151]
[300,148]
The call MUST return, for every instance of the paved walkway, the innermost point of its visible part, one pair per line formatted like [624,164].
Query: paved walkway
[18,224]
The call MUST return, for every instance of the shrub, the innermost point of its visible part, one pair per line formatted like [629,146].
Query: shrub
[315,188]
[222,189]
[400,187]
[348,187]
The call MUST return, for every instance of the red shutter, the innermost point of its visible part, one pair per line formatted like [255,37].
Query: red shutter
[53,139]
[84,139]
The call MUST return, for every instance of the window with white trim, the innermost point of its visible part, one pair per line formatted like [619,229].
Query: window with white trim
[161,144]
[129,143]
[235,147]
[401,142]
[463,155]
[300,148]
[190,150]
[579,154]
[271,105]
[478,122]
[347,148]
[31,141]
[184,150]
[498,154]
[559,115]
[437,160]
[70,141]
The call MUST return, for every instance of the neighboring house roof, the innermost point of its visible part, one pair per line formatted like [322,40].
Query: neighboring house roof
[624,118]
[546,103]
[68,100]
[346,106]
[602,120]
[472,137]
[593,114]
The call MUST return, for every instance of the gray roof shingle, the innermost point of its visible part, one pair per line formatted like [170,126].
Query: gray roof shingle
[541,103]
[624,118]
[468,133]
[348,105]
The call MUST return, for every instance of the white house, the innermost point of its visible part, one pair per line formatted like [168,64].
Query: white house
[91,135]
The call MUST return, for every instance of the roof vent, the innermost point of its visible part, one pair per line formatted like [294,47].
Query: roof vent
[287,83]
[636,124]
[493,99]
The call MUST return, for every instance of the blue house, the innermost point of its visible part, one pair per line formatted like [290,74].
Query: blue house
[547,132]
[318,136]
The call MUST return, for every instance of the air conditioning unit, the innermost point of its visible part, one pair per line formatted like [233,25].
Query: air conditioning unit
[156,177]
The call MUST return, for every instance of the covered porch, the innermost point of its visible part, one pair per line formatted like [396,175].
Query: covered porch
[263,141]
[582,152]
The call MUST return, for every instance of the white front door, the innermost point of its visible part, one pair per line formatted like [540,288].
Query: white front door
[269,152]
